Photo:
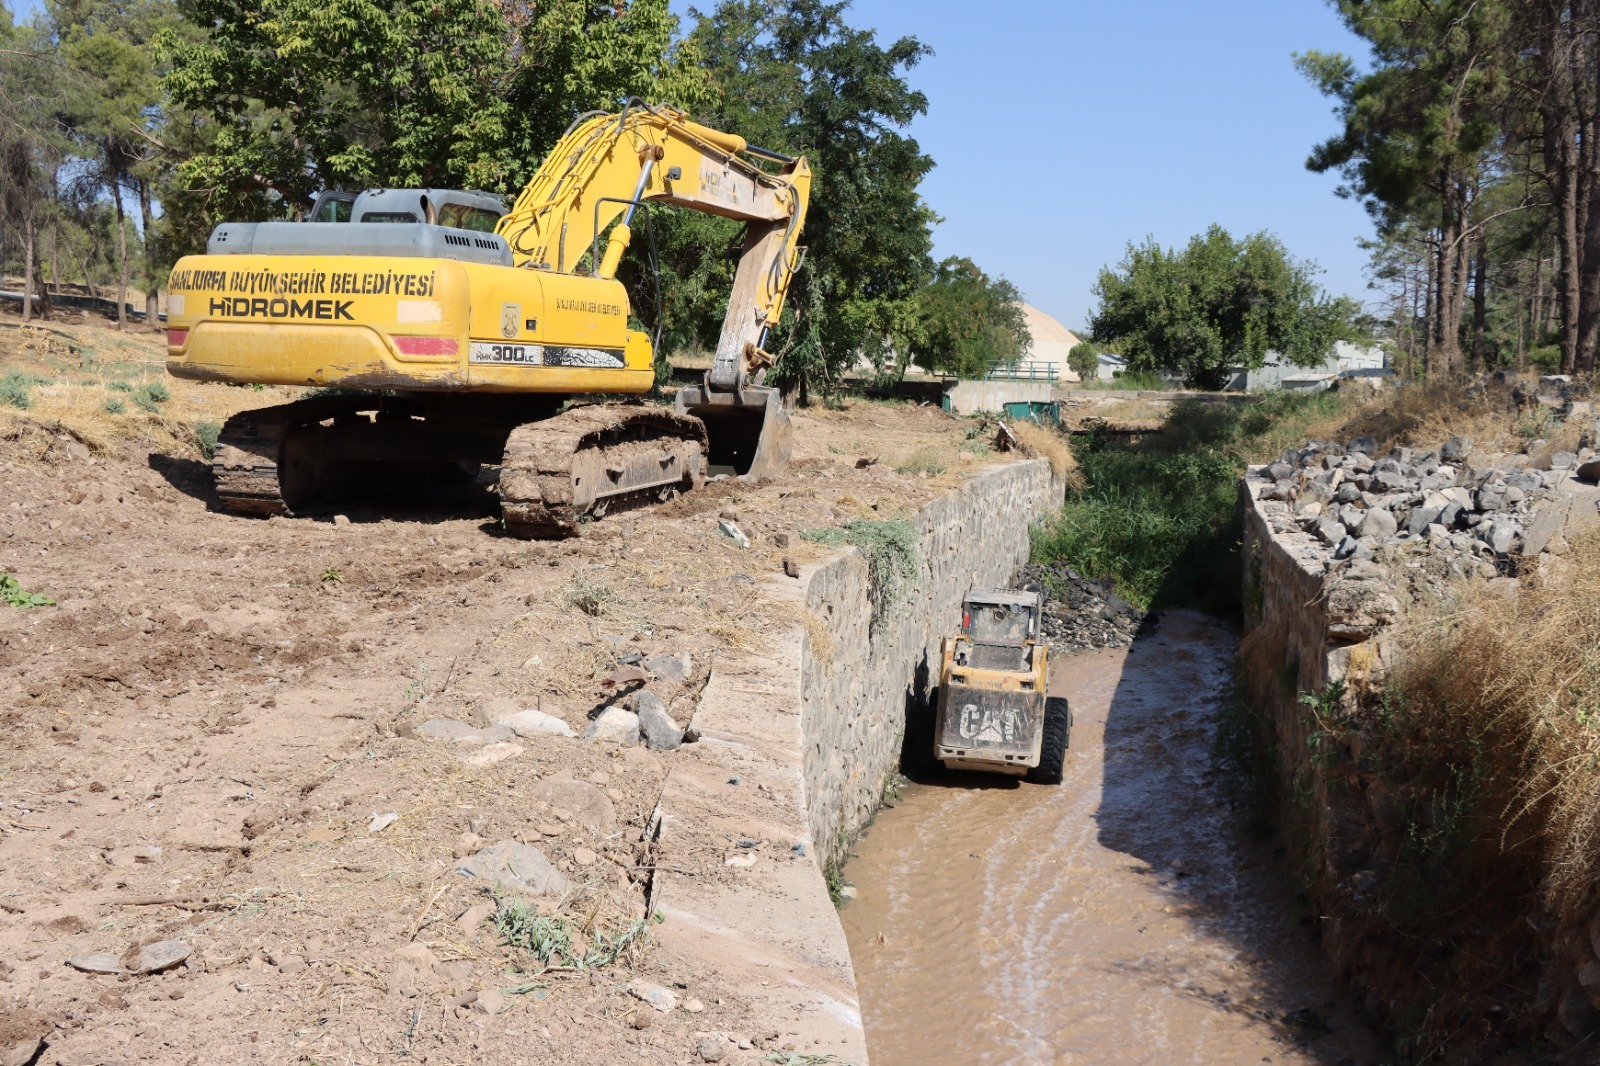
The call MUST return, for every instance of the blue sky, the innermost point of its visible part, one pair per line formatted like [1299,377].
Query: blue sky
[1064,130]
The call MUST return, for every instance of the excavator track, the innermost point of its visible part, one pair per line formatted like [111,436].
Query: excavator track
[250,465]
[590,460]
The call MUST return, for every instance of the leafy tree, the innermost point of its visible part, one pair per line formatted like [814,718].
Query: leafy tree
[793,76]
[968,322]
[1218,303]
[1084,360]
[1418,128]
[31,142]
[115,113]
[300,95]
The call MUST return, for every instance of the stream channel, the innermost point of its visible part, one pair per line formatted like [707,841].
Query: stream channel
[1124,916]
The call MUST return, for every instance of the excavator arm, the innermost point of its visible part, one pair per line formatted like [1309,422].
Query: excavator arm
[607,164]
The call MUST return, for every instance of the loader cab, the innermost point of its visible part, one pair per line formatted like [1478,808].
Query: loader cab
[997,628]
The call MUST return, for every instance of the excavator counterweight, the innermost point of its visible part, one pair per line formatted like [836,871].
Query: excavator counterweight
[456,334]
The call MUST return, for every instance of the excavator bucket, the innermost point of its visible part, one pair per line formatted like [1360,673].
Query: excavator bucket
[749,431]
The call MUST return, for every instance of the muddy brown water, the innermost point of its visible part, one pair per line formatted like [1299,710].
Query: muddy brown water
[1121,917]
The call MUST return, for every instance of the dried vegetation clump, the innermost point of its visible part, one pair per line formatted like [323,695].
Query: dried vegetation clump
[1505,687]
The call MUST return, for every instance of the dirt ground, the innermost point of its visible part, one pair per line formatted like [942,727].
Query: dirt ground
[202,739]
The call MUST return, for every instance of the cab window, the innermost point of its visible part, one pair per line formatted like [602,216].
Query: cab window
[333,210]
[388,216]
[461,216]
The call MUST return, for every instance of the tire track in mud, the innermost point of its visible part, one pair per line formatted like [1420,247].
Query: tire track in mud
[1121,917]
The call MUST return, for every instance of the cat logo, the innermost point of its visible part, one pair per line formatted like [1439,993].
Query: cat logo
[510,319]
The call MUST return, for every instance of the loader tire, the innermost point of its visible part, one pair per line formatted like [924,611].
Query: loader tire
[1053,747]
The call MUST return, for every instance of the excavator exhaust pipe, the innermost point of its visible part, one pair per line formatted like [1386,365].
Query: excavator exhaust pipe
[749,432]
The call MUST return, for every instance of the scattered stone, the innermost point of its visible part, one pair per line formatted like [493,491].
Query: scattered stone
[460,734]
[531,723]
[1590,472]
[1364,446]
[674,668]
[456,970]
[98,962]
[153,958]
[790,567]
[493,753]
[518,866]
[584,857]
[730,513]
[289,965]
[662,999]
[780,540]
[693,1005]
[1378,523]
[380,822]
[732,531]
[623,676]
[488,1001]
[579,800]
[474,916]
[711,1048]
[614,725]
[743,860]
[1456,449]
[341,520]
[468,843]
[660,732]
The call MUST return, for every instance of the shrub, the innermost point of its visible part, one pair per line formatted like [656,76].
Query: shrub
[205,438]
[16,389]
[149,396]
[115,406]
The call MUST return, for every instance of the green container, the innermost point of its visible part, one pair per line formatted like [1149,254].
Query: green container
[1044,412]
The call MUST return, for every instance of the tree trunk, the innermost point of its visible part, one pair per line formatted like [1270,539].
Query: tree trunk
[1480,312]
[27,265]
[152,295]
[122,252]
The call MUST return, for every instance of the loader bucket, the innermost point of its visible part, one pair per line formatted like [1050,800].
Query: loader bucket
[749,432]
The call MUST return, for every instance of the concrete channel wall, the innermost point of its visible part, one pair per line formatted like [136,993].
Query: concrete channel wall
[796,745]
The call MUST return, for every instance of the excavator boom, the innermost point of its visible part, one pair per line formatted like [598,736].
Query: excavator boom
[591,183]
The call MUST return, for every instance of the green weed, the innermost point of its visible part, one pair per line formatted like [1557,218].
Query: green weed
[151,395]
[115,406]
[890,549]
[16,389]
[14,595]
[551,939]
[205,438]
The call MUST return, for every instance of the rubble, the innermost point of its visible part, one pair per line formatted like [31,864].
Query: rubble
[1081,612]
[1409,519]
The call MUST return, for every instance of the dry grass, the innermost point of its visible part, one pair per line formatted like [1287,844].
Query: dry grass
[1508,688]
[100,386]
[1053,447]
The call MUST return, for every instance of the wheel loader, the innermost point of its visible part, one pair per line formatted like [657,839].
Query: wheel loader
[993,707]
[447,333]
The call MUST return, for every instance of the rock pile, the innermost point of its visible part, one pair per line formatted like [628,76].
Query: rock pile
[1082,612]
[1451,511]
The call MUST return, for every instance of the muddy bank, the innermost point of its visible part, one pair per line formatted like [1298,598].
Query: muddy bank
[1121,917]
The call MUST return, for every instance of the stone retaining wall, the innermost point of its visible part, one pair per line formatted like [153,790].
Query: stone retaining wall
[797,742]
[856,695]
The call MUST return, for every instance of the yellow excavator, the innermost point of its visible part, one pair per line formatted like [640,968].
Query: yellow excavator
[447,333]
